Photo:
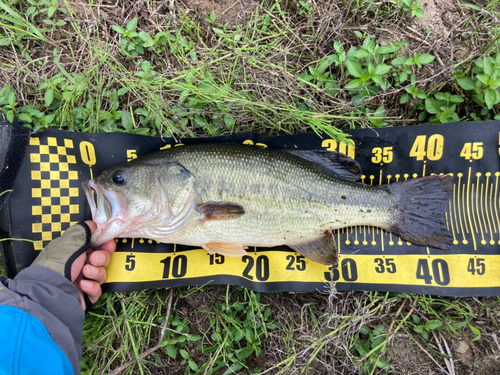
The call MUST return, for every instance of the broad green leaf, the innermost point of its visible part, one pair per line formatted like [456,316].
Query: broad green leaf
[127,122]
[171,351]
[409,61]
[190,76]
[354,84]
[184,354]
[200,121]
[146,37]
[122,91]
[132,24]
[383,50]
[192,364]
[418,13]
[229,120]
[354,68]
[398,61]
[487,66]
[483,78]
[441,96]
[466,83]
[51,11]
[425,58]
[371,68]
[421,95]
[49,97]
[490,98]
[24,117]
[10,116]
[418,329]
[146,66]
[432,325]
[448,112]
[11,99]
[244,353]
[361,53]
[432,106]
[382,69]
[456,99]
[404,99]
[219,32]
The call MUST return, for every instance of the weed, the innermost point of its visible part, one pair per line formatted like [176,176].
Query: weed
[411,5]
[176,339]
[372,344]
[484,81]
[238,329]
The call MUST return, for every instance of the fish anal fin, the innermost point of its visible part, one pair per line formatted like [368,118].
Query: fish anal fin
[334,164]
[221,210]
[321,250]
[229,249]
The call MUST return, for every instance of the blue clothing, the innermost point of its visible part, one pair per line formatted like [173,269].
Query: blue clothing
[41,323]
[27,346]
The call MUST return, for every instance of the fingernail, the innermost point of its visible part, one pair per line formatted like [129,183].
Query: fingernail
[100,258]
[91,271]
[86,284]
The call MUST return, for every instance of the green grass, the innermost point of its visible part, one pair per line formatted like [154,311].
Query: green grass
[287,67]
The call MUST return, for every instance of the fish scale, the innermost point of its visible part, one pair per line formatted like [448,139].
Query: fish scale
[286,200]
[225,197]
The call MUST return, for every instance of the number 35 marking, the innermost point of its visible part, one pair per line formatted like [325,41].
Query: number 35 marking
[382,155]
[384,265]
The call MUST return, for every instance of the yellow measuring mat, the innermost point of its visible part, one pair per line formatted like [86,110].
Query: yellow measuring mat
[47,198]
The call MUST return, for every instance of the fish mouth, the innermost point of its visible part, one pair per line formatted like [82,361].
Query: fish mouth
[99,204]
[107,208]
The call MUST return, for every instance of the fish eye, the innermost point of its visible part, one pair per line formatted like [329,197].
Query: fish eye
[119,177]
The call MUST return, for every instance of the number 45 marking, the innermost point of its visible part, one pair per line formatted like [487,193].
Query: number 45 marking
[472,151]
[476,266]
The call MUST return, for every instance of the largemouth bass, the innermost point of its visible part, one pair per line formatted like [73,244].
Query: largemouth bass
[226,197]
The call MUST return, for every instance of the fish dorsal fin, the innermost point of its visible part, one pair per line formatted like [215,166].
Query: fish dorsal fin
[231,249]
[221,210]
[334,164]
[321,250]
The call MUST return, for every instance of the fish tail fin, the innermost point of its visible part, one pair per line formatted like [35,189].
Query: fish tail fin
[421,206]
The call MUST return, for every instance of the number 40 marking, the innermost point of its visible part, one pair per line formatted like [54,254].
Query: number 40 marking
[432,148]
[440,272]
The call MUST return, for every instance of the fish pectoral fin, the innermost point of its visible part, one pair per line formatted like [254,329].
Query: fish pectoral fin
[333,164]
[229,249]
[321,250]
[221,210]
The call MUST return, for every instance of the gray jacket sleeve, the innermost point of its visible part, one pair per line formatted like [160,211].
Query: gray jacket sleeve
[52,299]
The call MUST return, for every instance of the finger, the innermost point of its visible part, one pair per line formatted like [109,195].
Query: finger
[109,246]
[77,265]
[92,225]
[95,273]
[100,258]
[92,289]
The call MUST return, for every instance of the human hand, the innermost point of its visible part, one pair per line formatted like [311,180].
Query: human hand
[92,265]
